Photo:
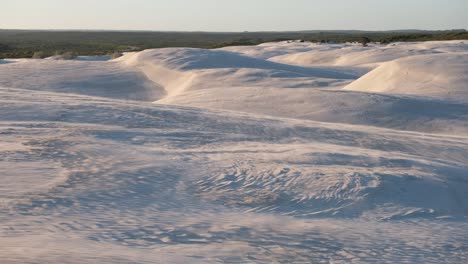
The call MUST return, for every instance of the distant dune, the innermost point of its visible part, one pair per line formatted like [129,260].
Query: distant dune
[443,75]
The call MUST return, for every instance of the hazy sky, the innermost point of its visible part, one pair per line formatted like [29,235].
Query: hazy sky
[234,15]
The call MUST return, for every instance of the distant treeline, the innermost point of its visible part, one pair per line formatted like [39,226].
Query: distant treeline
[25,43]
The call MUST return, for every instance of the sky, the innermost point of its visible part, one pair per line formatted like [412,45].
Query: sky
[234,15]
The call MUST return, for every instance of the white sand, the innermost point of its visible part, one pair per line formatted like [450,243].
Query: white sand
[277,153]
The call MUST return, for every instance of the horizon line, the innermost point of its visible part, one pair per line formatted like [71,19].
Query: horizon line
[246,31]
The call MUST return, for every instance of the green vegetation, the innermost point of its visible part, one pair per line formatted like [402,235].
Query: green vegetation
[364,41]
[69,55]
[39,55]
[27,43]
[116,55]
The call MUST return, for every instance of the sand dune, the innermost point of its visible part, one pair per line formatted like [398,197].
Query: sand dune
[223,80]
[96,78]
[282,152]
[440,75]
[352,55]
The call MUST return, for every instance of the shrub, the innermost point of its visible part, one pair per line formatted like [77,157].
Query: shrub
[364,41]
[69,55]
[39,55]
[116,55]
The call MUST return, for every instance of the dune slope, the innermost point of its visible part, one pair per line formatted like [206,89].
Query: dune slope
[440,75]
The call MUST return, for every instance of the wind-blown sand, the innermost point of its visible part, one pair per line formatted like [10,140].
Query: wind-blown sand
[282,152]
